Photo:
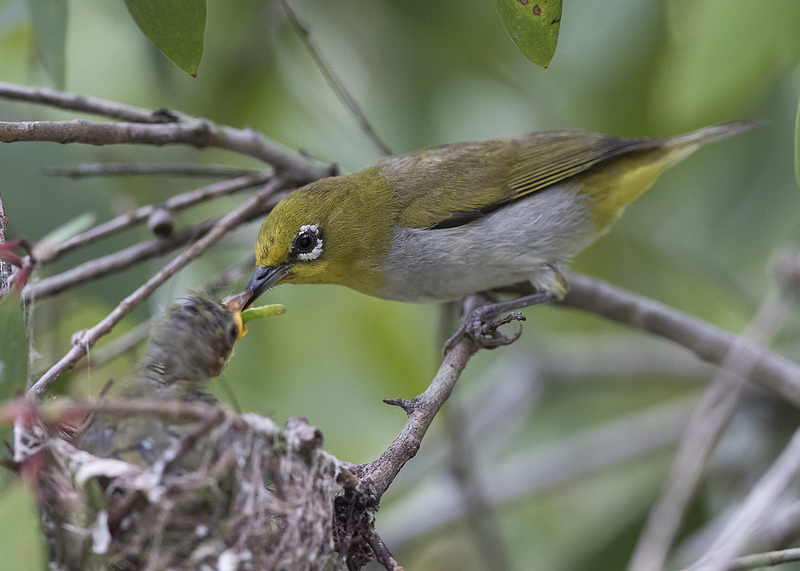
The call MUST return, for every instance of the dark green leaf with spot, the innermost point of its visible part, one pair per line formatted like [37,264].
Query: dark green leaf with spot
[533,25]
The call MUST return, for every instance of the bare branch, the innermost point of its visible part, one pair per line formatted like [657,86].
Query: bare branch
[757,561]
[173,409]
[421,411]
[540,468]
[375,477]
[90,336]
[706,426]
[81,103]
[5,267]
[498,406]
[115,262]
[233,274]
[200,133]
[479,513]
[175,204]
[756,510]
[107,169]
[144,127]
[382,553]
[709,343]
[461,446]
[120,345]
[127,257]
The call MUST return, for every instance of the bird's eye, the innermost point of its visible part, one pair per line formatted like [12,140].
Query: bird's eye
[305,242]
[234,332]
[308,243]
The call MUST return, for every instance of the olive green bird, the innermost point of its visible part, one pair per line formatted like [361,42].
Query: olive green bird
[188,345]
[447,222]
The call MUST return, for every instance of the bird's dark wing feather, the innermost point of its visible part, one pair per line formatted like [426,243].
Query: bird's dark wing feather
[466,181]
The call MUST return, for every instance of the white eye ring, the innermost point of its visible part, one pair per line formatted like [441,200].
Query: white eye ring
[316,251]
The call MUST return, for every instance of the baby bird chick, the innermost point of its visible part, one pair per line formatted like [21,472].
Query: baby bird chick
[188,345]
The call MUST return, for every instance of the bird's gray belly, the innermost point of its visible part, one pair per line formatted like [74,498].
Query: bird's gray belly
[516,243]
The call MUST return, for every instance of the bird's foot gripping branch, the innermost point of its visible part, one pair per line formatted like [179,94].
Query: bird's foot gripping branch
[482,327]
[482,324]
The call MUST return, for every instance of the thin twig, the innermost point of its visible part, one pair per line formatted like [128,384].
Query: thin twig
[758,560]
[173,409]
[375,477]
[498,406]
[382,553]
[5,267]
[421,411]
[479,513]
[130,339]
[539,469]
[120,345]
[126,258]
[336,84]
[706,426]
[232,275]
[709,343]
[175,203]
[107,169]
[112,263]
[755,510]
[90,337]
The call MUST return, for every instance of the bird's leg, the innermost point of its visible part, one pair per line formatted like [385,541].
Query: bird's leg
[481,323]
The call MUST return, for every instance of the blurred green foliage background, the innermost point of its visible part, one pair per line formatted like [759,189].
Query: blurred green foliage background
[702,240]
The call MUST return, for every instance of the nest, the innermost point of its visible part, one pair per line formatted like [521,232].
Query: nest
[255,497]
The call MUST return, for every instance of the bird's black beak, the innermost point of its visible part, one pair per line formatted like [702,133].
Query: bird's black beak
[264,277]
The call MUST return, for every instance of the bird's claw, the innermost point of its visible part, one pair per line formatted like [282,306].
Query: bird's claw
[482,326]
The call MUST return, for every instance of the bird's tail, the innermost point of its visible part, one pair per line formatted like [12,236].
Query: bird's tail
[622,181]
[687,143]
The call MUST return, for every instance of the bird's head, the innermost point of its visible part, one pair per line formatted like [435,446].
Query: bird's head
[333,231]
[188,344]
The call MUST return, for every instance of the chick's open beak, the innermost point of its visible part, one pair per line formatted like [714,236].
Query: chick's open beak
[235,304]
[264,277]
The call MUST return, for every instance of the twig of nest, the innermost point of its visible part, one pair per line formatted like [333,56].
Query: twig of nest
[256,497]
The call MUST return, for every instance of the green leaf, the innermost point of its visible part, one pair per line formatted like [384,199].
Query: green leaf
[49,20]
[177,27]
[797,146]
[533,25]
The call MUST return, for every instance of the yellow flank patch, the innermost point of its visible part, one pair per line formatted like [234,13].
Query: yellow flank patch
[612,187]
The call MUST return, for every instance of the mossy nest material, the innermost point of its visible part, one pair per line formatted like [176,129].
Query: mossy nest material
[259,497]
